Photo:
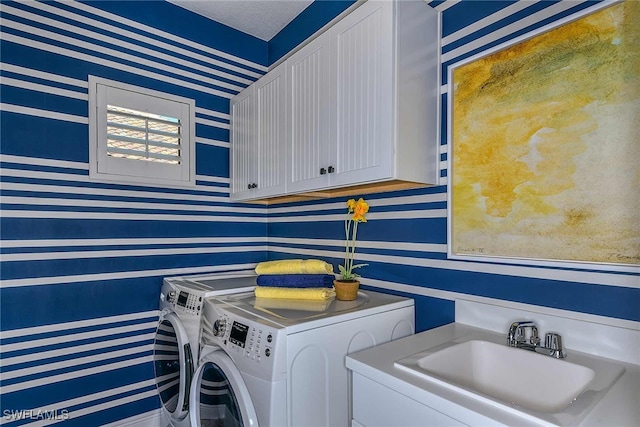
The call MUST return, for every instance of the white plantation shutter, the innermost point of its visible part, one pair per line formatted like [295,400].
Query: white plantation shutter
[138,135]
[141,135]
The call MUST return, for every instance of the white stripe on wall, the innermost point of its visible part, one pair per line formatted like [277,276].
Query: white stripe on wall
[369,244]
[415,214]
[212,142]
[109,63]
[72,350]
[216,179]
[59,406]
[93,254]
[44,75]
[19,109]
[489,20]
[576,276]
[37,87]
[112,204]
[505,31]
[43,342]
[100,407]
[212,113]
[373,203]
[128,242]
[212,123]
[33,370]
[131,274]
[59,327]
[151,30]
[127,216]
[91,191]
[120,43]
[41,162]
[446,5]
[21,173]
[77,374]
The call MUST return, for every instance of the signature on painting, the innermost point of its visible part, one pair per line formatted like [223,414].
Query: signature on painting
[471,250]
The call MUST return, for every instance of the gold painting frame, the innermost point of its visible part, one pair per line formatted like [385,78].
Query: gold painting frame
[543,152]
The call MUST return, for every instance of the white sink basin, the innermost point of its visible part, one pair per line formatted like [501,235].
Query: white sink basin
[552,389]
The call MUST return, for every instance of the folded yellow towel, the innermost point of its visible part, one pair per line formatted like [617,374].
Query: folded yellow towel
[294,293]
[268,304]
[294,266]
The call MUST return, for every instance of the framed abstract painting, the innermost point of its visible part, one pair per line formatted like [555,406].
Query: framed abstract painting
[544,145]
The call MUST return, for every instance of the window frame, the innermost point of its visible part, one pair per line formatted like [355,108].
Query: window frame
[103,167]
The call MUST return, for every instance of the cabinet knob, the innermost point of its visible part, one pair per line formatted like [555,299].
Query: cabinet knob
[249,186]
[331,169]
[323,171]
[254,185]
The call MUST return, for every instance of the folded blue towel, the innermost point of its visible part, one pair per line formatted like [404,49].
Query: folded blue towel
[296,280]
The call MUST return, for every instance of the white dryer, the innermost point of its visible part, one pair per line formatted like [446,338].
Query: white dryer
[177,336]
[282,363]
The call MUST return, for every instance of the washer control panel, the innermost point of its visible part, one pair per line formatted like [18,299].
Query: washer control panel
[254,342]
[184,302]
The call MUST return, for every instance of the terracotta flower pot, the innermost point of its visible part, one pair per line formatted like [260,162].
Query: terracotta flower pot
[346,290]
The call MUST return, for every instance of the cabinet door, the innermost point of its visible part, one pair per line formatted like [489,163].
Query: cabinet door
[363,62]
[310,126]
[376,405]
[242,145]
[271,150]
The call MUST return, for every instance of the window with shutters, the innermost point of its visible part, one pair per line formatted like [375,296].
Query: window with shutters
[140,135]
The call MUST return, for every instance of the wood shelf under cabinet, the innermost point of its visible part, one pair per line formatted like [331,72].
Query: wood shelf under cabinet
[354,190]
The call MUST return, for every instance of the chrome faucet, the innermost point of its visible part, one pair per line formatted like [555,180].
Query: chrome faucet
[517,337]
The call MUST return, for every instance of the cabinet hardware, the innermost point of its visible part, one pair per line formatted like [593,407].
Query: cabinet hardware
[323,171]
[331,169]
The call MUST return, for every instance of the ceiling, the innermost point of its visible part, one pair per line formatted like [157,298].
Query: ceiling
[260,18]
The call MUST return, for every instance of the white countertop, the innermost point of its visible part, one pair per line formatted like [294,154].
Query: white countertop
[619,407]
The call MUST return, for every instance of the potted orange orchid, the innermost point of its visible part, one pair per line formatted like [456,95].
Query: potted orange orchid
[347,287]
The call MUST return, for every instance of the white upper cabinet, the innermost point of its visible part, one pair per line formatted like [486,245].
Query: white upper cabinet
[310,116]
[258,138]
[242,157]
[272,133]
[362,146]
[361,103]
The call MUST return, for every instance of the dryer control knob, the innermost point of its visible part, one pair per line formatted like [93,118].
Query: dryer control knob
[218,327]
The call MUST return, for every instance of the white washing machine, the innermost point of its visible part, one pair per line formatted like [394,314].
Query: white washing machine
[281,362]
[177,337]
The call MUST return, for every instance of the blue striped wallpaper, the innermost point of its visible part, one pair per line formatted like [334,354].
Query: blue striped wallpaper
[82,261]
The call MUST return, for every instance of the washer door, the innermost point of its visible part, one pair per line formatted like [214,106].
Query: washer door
[173,365]
[219,396]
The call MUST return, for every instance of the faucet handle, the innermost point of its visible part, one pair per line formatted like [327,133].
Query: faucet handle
[553,342]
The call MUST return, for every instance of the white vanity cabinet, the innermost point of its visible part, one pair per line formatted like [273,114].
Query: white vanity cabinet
[375,405]
[258,138]
[362,103]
